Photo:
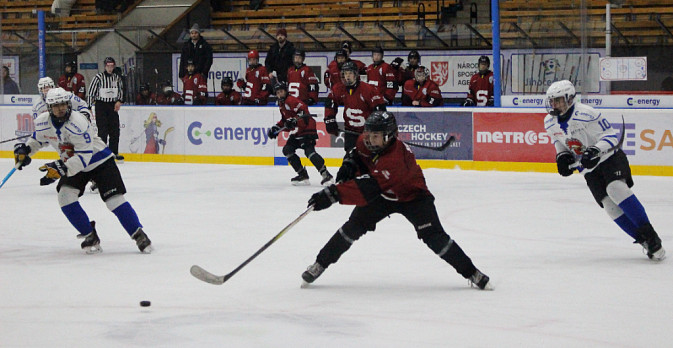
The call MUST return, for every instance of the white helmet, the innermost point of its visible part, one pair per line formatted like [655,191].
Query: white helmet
[58,96]
[564,89]
[45,82]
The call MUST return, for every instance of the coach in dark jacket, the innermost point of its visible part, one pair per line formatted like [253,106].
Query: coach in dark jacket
[280,56]
[198,50]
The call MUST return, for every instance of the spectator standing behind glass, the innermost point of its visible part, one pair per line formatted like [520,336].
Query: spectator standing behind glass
[481,85]
[199,51]
[228,95]
[421,91]
[256,84]
[194,84]
[168,96]
[279,57]
[145,96]
[72,81]
[107,94]
[9,86]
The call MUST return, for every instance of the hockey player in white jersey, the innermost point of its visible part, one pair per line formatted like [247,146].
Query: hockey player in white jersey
[585,141]
[83,157]
[40,106]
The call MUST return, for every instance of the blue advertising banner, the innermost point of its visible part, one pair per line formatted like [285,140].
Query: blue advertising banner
[434,129]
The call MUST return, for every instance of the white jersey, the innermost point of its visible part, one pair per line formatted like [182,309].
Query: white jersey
[78,104]
[74,140]
[586,127]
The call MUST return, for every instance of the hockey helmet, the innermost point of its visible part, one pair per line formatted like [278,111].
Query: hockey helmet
[253,54]
[227,81]
[72,65]
[560,89]
[45,82]
[109,60]
[57,96]
[380,122]
[421,73]
[414,54]
[349,67]
[485,60]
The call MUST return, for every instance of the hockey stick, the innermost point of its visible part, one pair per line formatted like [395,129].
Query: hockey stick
[202,274]
[448,142]
[17,138]
[11,172]
[170,129]
[614,148]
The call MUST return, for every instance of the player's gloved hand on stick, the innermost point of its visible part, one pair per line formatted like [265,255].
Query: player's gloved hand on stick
[348,170]
[273,132]
[290,123]
[563,162]
[21,152]
[55,170]
[324,198]
[468,102]
[44,181]
[590,157]
[332,126]
[395,64]
[240,83]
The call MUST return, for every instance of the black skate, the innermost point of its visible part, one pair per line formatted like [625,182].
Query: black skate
[312,273]
[481,281]
[648,238]
[301,179]
[142,241]
[327,178]
[91,243]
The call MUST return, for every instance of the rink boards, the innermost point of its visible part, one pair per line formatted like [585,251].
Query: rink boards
[508,139]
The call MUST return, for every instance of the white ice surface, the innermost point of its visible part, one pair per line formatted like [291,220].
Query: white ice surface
[565,275]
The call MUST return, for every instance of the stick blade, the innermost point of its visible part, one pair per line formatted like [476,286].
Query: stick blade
[448,143]
[201,274]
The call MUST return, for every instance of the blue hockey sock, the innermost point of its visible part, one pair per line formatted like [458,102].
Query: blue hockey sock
[77,217]
[625,224]
[127,217]
[634,211]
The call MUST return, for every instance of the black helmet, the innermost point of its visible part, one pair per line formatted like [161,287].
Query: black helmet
[341,52]
[72,65]
[346,45]
[484,59]
[378,50]
[381,121]
[190,61]
[414,54]
[109,60]
[279,85]
[144,87]
[227,81]
[300,53]
[350,66]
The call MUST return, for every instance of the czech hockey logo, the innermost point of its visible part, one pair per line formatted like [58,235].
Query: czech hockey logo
[439,72]
[575,146]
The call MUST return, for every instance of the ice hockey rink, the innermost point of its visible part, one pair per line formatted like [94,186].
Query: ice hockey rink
[565,275]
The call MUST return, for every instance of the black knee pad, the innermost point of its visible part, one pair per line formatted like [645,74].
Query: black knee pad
[288,150]
[435,239]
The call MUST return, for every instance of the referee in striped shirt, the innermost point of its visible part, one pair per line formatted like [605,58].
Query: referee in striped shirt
[106,92]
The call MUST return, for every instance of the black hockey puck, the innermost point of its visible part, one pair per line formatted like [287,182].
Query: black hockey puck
[145,303]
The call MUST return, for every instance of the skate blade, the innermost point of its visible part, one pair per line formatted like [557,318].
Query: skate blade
[148,250]
[659,255]
[96,249]
[305,285]
[301,183]
[328,182]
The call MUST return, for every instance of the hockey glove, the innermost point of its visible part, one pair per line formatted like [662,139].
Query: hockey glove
[310,101]
[348,169]
[563,161]
[291,123]
[332,126]
[55,170]
[468,102]
[591,157]
[325,198]
[240,83]
[273,132]
[44,181]
[395,64]
[21,158]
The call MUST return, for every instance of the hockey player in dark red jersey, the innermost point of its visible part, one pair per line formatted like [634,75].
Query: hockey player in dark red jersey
[145,96]
[228,95]
[380,177]
[257,85]
[301,81]
[348,47]
[333,72]
[421,91]
[72,81]
[359,101]
[481,85]
[194,85]
[297,120]
[409,71]
[382,76]
[168,96]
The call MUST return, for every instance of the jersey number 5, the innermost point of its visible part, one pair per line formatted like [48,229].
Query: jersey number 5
[482,97]
[248,90]
[293,89]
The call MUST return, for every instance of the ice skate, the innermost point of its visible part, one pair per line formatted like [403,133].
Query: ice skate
[327,178]
[481,281]
[311,274]
[301,179]
[91,243]
[142,241]
[648,238]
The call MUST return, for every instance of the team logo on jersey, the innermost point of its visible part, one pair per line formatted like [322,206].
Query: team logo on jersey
[575,146]
[439,72]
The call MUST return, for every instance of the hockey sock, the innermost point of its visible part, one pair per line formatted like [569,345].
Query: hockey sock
[625,224]
[316,159]
[634,211]
[127,217]
[77,217]
[617,215]
[295,162]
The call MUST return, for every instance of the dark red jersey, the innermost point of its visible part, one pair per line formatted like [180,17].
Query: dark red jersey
[257,86]
[333,73]
[74,84]
[231,98]
[292,108]
[481,88]
[172,99]
[427,94]
[303,84]
[393,173]
[408,73]
[358,101]
[151,99]
[383,77]
[195,89]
